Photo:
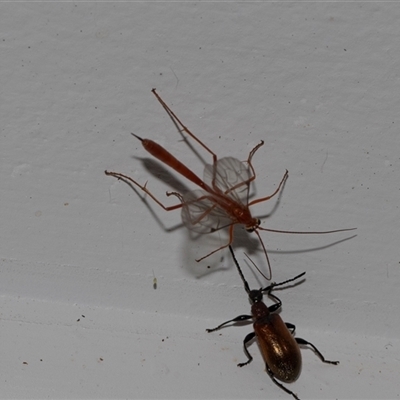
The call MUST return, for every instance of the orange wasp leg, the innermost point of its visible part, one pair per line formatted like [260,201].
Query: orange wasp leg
[222,247]
[252,178]
[251,154]
[230,243]
[192,135]
[184,128]
[205,213]
[144,189]
[246,182]
[179,196]
[273,194]
[285,176]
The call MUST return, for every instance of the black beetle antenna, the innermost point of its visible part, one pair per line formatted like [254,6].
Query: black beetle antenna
[246,285]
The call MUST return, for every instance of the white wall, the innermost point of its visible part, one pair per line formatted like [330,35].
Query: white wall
[318,82]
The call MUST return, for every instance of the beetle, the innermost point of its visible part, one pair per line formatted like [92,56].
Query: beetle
[279,348]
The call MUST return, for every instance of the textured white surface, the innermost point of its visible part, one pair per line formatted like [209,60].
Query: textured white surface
[318,82]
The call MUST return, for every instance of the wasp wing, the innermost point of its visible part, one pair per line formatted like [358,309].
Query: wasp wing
[201,212]
[230,177]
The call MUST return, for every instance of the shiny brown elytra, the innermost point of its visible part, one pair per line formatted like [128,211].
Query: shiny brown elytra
[279,348]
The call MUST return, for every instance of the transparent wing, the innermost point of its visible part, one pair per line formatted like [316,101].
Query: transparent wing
[230,176]
[202,214]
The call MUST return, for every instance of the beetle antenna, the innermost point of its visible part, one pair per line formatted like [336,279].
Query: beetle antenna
[274,284]
[246,285]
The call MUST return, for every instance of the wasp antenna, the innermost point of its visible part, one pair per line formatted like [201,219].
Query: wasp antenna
[136,136]
[266,256]
[255,266]
[307,233]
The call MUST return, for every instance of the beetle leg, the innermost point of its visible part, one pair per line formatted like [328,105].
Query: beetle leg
[271,375]
[319,354]
[246,340]
[275,306]
[291,327]
[237,319]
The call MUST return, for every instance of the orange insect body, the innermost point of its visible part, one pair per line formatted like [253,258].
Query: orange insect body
[223,200]
[239,213]
[280,351]
[167,158]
